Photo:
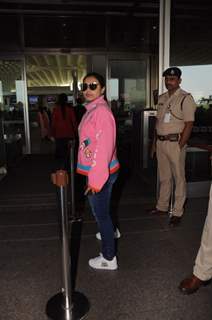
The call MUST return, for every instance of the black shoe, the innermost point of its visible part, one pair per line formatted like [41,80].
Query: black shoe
[174,221]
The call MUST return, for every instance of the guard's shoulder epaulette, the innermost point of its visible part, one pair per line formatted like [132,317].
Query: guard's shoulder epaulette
[162,94]
[185,94]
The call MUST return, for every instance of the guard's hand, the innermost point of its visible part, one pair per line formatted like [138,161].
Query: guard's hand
[180,145]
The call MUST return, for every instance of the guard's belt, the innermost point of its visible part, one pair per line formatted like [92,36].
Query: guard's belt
[169,137]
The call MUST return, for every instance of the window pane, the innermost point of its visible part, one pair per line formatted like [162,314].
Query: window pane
[10,35]
[131,77]
[64,32]
[191,50]
[191,29]
[134,33]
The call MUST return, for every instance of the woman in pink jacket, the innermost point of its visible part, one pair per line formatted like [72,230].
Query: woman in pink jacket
[97,160]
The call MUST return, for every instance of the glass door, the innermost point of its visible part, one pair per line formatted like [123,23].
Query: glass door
[127,92]
[49,75]
[13,106]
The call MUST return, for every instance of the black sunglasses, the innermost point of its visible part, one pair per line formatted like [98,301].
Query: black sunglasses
[92,86]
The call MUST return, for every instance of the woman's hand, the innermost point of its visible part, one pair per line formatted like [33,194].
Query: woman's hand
[89,191]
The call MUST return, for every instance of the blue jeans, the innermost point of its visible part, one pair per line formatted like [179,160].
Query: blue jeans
[100,206]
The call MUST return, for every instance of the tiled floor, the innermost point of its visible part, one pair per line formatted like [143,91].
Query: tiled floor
[152,257]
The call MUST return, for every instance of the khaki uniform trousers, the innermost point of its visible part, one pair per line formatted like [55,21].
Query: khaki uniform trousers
[203,263]
[171,165]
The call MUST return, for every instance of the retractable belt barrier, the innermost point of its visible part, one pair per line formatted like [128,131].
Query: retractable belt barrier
[67,304]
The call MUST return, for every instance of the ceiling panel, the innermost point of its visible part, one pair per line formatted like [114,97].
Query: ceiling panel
[43,71]
[54,70]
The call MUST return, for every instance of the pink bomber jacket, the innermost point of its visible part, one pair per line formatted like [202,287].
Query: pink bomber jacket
[97,144]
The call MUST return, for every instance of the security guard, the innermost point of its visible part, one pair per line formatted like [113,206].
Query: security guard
[175,117]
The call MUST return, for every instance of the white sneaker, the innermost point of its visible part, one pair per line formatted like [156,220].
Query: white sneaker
[117,235]
[101,263]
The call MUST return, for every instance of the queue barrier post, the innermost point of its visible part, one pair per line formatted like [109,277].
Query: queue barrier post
[67,304]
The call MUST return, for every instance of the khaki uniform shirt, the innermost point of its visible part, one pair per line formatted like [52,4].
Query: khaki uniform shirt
[174,111]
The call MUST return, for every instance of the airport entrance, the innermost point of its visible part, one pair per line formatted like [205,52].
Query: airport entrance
[36,80]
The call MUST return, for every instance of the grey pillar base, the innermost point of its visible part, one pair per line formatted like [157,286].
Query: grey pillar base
[55,307]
